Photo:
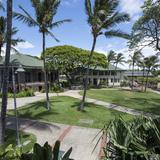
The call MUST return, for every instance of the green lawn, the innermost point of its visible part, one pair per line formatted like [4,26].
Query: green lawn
[149,102]
[30,139]
[63,110]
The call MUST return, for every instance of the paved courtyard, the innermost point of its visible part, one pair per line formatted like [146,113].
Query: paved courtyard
[79,138]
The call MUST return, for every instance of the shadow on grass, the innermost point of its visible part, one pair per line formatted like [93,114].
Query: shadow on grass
[24,124]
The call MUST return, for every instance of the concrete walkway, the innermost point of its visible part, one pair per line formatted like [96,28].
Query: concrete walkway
[79,138]
[75,94]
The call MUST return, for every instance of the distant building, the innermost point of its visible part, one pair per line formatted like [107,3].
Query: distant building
[102,76]
[137,74]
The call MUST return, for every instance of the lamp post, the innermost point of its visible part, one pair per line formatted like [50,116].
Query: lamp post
[20,69]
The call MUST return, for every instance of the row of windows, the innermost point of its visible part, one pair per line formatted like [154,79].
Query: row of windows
[115,80]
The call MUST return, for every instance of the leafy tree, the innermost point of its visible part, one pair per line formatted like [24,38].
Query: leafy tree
[102,17]
[3,28]
[45,11]
[119,59]
[151,63]
[6,72]
[68,60]
[134,59]
[146,30]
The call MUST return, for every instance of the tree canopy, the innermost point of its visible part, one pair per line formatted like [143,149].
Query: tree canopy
[146,30]
[66,59]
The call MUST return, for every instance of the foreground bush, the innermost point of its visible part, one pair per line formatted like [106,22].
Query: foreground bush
[23,93]
[39,153]
[138,140]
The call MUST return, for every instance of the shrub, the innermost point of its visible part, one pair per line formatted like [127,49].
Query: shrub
[24,93]
[39,153]
[56,88]
[138,140]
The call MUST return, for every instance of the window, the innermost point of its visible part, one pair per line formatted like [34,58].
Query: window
[28,76]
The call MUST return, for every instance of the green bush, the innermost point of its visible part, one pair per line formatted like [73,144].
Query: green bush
[39,153]
[56,88]
[138,140]
[24,93]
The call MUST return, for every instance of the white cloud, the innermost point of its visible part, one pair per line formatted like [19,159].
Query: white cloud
[133,7]
[24,45]
[69,2]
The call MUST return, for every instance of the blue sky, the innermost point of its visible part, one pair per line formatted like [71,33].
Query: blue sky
[76,33]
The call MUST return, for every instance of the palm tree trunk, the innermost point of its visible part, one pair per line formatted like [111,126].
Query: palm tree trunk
[146,85]
[143,79]
[45,73]
[0,50]
[132,75]
[114,74]
[81,107]
[6,73]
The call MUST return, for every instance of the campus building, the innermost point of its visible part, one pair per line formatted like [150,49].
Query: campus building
[32,75]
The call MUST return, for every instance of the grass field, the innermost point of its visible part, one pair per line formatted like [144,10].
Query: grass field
[30,139]
[148,102]
[63,110]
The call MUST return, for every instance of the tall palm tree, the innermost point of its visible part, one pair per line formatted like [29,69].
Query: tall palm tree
[119,59]
[141,64]
[134,59]
[3,30]
[110,59]
[151,63]
[102,17]
[45,11]
[6,72]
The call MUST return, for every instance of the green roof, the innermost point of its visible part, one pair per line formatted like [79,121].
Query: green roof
[27,61]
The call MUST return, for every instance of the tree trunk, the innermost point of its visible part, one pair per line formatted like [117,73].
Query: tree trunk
[45,73]
[6,72]
[0,50]
[143,80]
[132,75]
[81,107]
[114,74]
[146,85]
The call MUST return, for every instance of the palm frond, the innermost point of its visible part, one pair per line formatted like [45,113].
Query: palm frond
[117,33]
[116,19]
[1,6]
[52,35]
[26,18]
[15,42]
[88,9]
[58,23]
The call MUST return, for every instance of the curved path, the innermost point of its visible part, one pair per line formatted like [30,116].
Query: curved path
[75,94]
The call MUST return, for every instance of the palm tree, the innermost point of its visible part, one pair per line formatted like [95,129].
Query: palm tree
[6,72]
[3,28]
[110,58]
[134,59]
[141,64]
[45,10]
[102,17]
[119,59]
[151,63]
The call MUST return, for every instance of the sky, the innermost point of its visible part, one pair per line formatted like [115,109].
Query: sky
[77,32]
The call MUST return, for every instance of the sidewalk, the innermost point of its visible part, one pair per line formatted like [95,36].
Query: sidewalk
[75,94]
